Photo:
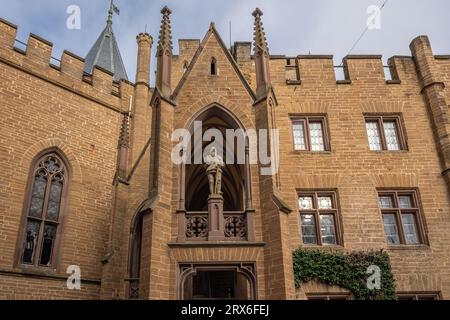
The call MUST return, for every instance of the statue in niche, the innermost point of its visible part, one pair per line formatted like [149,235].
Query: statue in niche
[214,164]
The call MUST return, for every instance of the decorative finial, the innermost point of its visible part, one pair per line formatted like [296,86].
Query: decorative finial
[165,34]
[259,35]
[112,9]
[124,141]
[257,12]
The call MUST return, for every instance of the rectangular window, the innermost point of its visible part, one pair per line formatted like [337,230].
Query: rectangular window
[401,217]
[418,296]
[319,218]
[310,133]
[385,133]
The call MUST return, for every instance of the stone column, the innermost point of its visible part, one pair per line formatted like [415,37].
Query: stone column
[216,219]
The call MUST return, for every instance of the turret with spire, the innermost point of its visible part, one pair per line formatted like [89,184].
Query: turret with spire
[164,55]
[261,56]
[105,51]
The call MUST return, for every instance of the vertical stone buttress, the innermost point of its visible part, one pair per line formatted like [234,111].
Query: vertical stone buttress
[162,167]
[277,256]
[142,135]
[135,134]
[433,92]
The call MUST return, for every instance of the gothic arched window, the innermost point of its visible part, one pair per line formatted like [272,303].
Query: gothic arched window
[213,67]
[45,202]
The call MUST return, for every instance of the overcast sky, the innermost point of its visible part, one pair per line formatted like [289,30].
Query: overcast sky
[292,26]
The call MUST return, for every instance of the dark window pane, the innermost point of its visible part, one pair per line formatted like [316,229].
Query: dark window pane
[31,239]
[308,229]
[47,245]
[327,229]
[390,229]
[410,229]
[52,164]
[54,198]
[37,197]
[427,298]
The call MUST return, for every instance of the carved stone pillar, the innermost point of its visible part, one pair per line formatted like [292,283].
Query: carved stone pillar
[216,220]
[248,186]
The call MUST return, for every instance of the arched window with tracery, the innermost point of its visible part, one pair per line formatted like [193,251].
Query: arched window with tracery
[45,203]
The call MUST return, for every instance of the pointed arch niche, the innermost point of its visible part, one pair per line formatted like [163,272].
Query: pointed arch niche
[138,247]
[236,221]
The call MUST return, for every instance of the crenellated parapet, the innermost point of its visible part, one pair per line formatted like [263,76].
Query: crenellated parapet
[354,70]
[37,60]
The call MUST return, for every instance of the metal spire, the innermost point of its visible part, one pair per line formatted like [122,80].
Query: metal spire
[105,52]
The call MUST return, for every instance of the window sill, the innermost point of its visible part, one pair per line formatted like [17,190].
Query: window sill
[293,82]
[36,270]
[311,152]
[331,247]
[409,247]
[389,151]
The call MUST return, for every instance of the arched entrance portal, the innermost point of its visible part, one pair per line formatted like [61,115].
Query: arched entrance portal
[210,282]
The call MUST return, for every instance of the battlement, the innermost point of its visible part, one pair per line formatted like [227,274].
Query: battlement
[35,58]
[354,69]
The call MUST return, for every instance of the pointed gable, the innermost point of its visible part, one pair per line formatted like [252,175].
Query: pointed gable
[212,41]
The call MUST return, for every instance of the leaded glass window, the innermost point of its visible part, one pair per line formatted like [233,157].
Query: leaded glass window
[49,181]
[299,135]
[373,133]
[318,217]
[390,132]
[310,134]
[327,229]
[309,229]
[384,133]
[410,229]
[401,217]
[390,229]
[316,133]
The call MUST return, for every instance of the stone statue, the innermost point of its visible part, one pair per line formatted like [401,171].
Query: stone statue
[214,164]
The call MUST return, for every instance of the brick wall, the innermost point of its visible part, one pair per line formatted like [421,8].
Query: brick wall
[43,106]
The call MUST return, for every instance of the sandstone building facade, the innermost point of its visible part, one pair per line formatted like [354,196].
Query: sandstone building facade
[89,180]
